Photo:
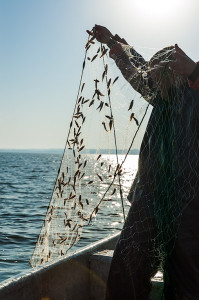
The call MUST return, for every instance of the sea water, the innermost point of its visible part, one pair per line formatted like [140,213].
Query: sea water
[26,183]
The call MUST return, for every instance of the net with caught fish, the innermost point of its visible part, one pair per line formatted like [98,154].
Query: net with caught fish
[93,176]
[114,117]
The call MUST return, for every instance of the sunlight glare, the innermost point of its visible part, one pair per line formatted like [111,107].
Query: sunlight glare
[156,8]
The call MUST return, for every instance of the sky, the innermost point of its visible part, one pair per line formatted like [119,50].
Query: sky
[42,49]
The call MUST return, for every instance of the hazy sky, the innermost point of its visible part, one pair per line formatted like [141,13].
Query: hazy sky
[42,48]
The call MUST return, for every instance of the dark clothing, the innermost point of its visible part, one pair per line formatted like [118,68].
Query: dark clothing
[129,279]
[134,261]
[163,222]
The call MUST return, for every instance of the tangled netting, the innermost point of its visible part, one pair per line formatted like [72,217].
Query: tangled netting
[113,112]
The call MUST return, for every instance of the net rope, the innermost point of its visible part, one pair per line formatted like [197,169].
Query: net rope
[112,120]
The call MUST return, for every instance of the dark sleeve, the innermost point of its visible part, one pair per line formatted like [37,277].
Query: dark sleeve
[193,79]
[134,69]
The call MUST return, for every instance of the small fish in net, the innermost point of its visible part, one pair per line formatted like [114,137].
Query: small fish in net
[132,104]
[95,171]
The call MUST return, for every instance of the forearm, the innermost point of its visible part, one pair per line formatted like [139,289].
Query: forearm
[132,66]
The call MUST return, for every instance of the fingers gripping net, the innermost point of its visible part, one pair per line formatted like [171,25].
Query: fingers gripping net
[96,170]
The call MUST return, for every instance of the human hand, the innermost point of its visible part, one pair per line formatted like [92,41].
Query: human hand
[102,34]
[183,64]
[119,39]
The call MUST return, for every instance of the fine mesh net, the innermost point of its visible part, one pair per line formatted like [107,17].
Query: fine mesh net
[123,108]
[96,172]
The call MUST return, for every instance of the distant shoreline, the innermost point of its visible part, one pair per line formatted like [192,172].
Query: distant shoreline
[56,151]
[60,151]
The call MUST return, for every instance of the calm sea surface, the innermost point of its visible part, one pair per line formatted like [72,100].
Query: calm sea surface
[26,184]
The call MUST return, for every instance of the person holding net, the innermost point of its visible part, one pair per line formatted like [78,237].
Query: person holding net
[161,229]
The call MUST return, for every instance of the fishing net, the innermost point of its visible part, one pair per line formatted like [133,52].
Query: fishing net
[98,165]
[125,107]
